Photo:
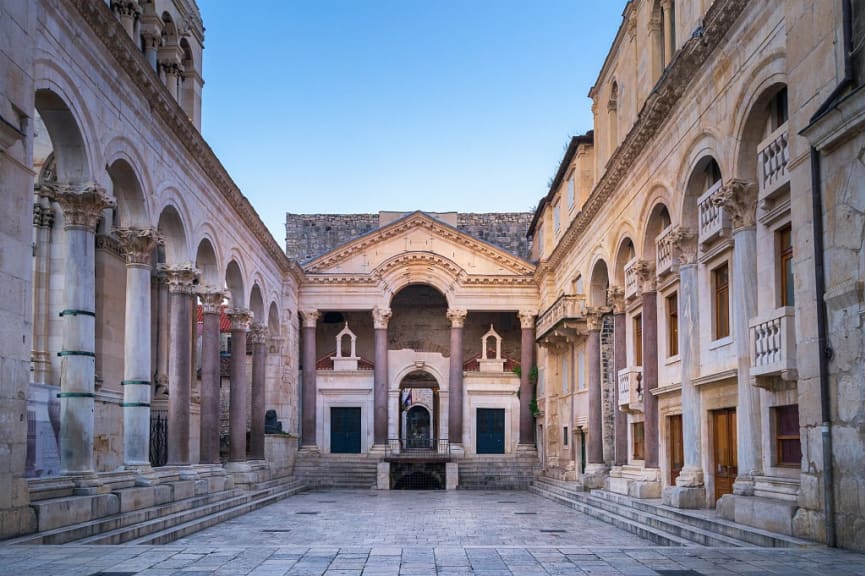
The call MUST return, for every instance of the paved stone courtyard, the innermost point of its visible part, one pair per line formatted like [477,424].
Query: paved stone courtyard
[364,533]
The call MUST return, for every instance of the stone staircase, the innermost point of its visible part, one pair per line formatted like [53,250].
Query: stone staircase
[498,472]
[336,471]
[663,525]
[152,514]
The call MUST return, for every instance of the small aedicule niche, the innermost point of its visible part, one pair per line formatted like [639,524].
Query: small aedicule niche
[491,352]
[343,359]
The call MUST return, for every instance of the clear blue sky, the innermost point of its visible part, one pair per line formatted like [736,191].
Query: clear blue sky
[341,106]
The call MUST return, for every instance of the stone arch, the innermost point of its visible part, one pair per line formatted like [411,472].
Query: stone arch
[626,250]
[417,268]
[705,173]
[235,284]
[171,227]
[127,191]
[659,195]
[71,156]
[256,303]
[441,379]
[208,263]
[599,283]
[273,326]
[657,220]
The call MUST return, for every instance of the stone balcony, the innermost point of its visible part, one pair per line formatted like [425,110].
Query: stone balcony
[631,389]
[772,157]
[666,257]
[773,345]
[632,280]
[563,318]
[714,222]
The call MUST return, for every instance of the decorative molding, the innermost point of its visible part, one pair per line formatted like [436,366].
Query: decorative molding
[616,298]
[82,204]
[685,245]
[310,317]
[181,278]
[739,199]
[138,244]
[110,244]
[258,333]
[241,319]
[211,299]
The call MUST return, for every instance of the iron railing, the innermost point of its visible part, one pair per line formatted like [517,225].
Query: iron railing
[158,438]
[408,448]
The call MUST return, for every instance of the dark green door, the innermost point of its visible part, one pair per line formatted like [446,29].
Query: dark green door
[491,430]
[345,430]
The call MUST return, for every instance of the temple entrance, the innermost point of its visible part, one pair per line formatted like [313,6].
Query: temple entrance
[418,429]
[345,430]
[419,411]
[491,431]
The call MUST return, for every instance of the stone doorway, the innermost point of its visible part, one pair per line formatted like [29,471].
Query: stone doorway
[724,445]
[419,411]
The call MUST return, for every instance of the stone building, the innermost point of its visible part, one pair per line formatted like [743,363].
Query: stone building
[687,218]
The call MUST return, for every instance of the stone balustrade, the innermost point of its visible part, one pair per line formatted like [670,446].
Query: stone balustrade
[566,307]
[714,222]
[773,345]
[632,281]
[630,389]
[772,157]
[666,258]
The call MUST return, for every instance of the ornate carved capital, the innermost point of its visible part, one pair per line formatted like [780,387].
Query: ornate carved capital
[310,317]
[685,244]
[380,317]
[181,279]
[211,299]
[138,244]
[646,275]
[527,318]
[739,199]
[616,298]
[241,318]
[258,333]
[82,204]
[125,8]
[594,319]
[457,317]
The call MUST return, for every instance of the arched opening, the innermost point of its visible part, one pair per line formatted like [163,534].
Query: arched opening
[763,152]
[624,255]
[256,304]
[599,285]
[659,220]
[699,214]
[419,413]
[234,283]
[126,189]
[174,233]
[205,261]
[419,320]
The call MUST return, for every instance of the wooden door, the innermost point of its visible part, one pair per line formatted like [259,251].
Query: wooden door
[676,448]
[345,430]
[490,431]
[725,460]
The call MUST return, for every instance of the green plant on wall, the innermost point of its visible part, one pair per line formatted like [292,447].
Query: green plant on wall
[533,380]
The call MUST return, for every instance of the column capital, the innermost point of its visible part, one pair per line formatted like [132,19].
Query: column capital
[241,318]
[309,317]
[594,319]
[685,245]
[666,5]
[181,278]
[645,272]
[82,204]
[211,299]
[381,317]
[258,333]
[457,317]
[138,244]
[739,199]
[127,8]
[527,318]
[616,298]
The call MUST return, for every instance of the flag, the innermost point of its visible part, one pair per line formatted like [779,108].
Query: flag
[406,398]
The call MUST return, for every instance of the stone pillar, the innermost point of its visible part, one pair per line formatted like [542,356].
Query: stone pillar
[152,38]
[211,306]
[138,243]
[620,356]
[380,317]
[738,197]
[239,391]
[666,8]
[163,327]
[127,11]
[171,70]
[457,318]
[595,469]
[310,317]
[82,209]
[650,364]
[43,221]
[181,289]
[527,363]
[259,387]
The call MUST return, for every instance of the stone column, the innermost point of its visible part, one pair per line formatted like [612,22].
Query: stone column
[181,289]
[650,363]
[310,317]
[138,243]
[620,423]
[152,38]
[239,391]
[527,389]
[171,70]
[381,317]
[43,221]
[595,469]
[259,387]
[127,11]
[82,208]
[666,8]
[211,306]
[738,197]
[457,318]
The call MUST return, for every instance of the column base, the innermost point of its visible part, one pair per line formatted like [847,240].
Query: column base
[743,486]
[594,476]
[88,485]
[247,475]
[689,497]
[635,481]
[144,474]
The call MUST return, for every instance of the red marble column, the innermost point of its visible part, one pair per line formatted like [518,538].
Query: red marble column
[381,316]
[181,289]
[527,362]
[259,384]
[309,387]
[238,394]
[211,305]
[650,374]
[620,423]
[457,318]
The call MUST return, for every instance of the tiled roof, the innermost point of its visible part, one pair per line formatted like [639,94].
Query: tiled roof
[224,322]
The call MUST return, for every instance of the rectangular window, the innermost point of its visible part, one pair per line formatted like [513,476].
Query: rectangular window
[784,240]
[565,376]
[581,370]
[565,436]
[673,324]
[638,340]
[556,218]
[638,440]
[721,286]
[571,191]
[788,447]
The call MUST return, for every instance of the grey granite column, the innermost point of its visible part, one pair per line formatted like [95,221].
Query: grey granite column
[595,468]
[650,366]
[82,208]
[620,422]
[457,318]
[211,307]
[239,392]
[138,243]
[181,290]
[527,362]
[259,385]
[380,317]
[308,439]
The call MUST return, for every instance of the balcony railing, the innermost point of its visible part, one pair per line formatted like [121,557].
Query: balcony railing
[714,221]
[666,259]
[631,389]
[566,307]
[773,344]
[632,282]
[417,449]
[772,157]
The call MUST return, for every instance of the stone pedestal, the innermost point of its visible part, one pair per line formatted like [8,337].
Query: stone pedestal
[382,481]
[594,477]
[452,475]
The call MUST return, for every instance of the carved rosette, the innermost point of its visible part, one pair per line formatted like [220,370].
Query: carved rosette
[181,279]
[381,317]
[258,333]
[739,199]
[241,319]
[138,245]
[685,245]
[527,318]
[82,204]
[457,317]
[211,299]
[310,317]
[616,298]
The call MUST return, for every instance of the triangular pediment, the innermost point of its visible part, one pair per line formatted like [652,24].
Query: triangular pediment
[419,233]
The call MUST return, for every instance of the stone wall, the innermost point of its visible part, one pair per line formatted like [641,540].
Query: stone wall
[308,236]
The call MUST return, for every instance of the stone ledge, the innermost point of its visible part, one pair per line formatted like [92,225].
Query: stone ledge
[764,513]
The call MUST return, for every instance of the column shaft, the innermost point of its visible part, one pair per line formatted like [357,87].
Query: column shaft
[595,452]
[527,392]
[689,349]
[650,376]
[210,378]
[179,379]
[621,361]
[455,384]
[259,384]
[380,387]
[136,368]
[239,391]
[309,388]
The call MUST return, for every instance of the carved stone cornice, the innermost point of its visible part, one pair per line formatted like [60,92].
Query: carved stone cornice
[181,278]
[457,317]
[258,333]
[310,317]
[138,244]
[616,298]
[381,317]
[241,319]
[739,199]
[656,112]
[211,299]
[527,318]
[82,204]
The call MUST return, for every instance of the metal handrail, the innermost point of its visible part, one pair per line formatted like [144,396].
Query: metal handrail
[417,448]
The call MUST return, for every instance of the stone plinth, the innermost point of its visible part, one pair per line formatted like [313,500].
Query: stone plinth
[382,481]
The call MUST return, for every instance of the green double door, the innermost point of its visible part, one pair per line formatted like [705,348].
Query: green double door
[490,430]
[345,430]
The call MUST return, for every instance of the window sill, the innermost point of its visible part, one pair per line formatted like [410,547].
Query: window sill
[672,360]
[720,343]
